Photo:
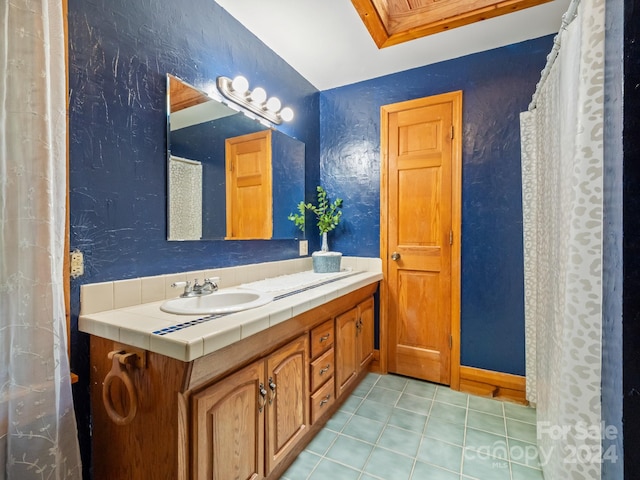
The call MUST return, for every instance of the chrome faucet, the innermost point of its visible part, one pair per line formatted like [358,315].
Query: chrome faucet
[196,290]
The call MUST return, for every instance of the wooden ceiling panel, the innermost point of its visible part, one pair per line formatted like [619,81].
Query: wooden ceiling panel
[391,22]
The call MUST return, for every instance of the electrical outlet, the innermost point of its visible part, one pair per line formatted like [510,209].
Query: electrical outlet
[303,246]
[76,263]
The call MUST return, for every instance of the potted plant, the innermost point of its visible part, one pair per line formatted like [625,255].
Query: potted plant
[328,215]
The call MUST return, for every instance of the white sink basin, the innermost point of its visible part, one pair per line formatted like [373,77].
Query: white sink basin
[222,301]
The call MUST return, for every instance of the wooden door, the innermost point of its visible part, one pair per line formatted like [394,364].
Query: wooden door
[365,332]
[228,427]
[346,353]
[288,399]
[249,186]
[420,192]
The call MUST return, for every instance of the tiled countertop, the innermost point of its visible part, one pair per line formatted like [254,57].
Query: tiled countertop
[135,324]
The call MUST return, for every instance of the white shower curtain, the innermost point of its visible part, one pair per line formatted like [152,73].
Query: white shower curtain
[562,169]
[38,436]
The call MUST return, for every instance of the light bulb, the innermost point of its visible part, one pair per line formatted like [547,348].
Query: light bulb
[240,85]
[286,114]
[258,95]
[274,104]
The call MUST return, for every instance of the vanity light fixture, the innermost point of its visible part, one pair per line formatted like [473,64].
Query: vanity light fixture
[256,100]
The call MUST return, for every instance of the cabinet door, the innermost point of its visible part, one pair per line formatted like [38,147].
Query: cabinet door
[346,352]
[287,399]
[228,427]
[365,332]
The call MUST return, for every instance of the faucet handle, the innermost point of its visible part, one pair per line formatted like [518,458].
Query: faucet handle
[212,282]
[187,287]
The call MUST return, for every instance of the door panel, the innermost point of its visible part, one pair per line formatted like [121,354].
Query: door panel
[288,399]
[228,428]
[249,186]
[420,176]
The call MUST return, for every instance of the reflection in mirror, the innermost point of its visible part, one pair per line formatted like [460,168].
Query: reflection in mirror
[225,179]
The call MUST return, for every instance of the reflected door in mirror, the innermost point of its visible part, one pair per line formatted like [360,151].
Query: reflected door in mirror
[248,172]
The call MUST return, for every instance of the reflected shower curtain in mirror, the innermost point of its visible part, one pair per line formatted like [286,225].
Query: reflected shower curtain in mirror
[562,171]
[38,435]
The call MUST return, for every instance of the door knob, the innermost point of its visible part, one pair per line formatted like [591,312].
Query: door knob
[395,256]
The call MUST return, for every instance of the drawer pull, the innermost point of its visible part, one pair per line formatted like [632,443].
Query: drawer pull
[325,369]
[325,400]
[324,338]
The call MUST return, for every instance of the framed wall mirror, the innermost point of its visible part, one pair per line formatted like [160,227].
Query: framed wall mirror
[228,176]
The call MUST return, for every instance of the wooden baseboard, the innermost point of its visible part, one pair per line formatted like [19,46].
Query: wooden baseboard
[488,383]
[374,366]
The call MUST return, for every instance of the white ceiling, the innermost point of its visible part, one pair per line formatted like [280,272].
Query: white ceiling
[327,43]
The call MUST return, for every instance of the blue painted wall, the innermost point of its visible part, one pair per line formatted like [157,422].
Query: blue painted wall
[497,85]
[119,54]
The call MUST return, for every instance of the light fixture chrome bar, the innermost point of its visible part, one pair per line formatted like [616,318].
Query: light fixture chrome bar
[244,100]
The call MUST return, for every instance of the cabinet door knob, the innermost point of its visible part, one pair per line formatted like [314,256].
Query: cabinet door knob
[261,398]
[272,386]
[395,256]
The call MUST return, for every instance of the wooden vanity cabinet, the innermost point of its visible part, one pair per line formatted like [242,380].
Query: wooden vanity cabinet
[246,423]
[354,344]
[242,412]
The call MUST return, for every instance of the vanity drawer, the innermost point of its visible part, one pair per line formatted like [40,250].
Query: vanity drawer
[322,369]
[321,338]
[322,400]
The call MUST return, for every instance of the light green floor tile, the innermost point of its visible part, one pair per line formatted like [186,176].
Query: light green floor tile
[408,420]
[424,471]
[484,467]
[520,472]
[445,431]
[400,441]
[494,445]
[363,429]
[338,420]
[414,403]
[302,466]
[388,465]
[349,451]
[396,428]
[524,453]
[351,404]
[486,422]
[392,382]
[440,454]
[520,412]
[446,395]
[328,469]
[420,389]
[322,441]
[374,410]
[449,413]
[521,431]
[383,395]
[486,405]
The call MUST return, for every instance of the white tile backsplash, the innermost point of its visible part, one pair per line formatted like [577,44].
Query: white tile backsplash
[96,297]
[127,293]
[152,289]
[99,297]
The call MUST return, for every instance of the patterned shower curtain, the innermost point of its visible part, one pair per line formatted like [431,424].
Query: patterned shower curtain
[38,436]
[562,170]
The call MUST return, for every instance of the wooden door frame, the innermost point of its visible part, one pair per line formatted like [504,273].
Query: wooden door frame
[456,224]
